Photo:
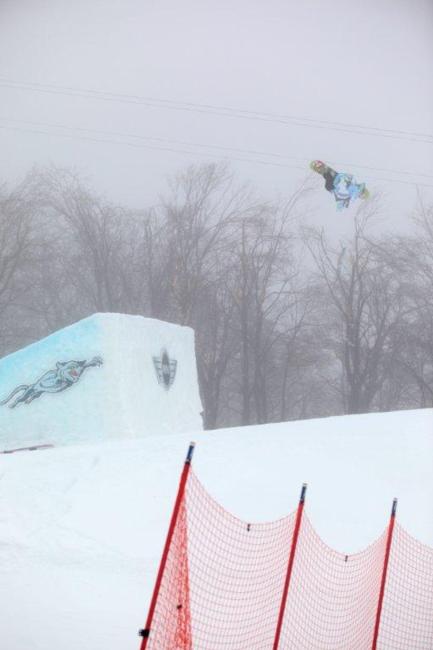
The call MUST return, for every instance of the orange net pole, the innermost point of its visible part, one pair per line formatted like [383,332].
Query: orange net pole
[384,572]
[290,566]
[176,540]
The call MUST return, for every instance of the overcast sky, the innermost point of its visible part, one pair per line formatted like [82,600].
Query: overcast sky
[346,62]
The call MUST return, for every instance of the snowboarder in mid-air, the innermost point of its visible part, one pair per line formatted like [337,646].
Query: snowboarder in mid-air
[343,186]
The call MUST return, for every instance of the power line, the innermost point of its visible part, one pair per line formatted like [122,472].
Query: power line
[225,111]
[142,146]
[183,143]
[177,144]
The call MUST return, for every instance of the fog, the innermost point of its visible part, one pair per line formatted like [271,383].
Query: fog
[170,145]
[352,64]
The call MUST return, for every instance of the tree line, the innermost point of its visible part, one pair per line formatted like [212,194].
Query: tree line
[288,324]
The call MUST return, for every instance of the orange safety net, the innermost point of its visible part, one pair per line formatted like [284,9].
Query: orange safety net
[333,597]
[407,616]
[223,584]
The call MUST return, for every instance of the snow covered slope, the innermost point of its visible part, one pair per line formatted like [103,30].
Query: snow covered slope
[116,394]
[82,527]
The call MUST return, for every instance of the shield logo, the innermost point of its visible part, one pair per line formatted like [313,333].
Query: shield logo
[165,369]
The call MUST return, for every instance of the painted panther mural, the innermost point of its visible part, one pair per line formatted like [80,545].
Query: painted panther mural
[65,375]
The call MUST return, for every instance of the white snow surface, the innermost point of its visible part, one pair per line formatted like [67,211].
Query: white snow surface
[82,527]
[121,398]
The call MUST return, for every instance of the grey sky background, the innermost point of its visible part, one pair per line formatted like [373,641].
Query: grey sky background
[357,62]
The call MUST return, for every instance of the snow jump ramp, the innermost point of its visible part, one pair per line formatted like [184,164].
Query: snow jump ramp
[107,376]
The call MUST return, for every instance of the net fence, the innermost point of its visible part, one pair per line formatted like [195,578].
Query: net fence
[224,578]
[333,597]
[407,616]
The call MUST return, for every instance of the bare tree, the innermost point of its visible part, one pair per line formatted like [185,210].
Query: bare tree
[216,344]
[91,231]
[202,204]
[364,307]
[199,218]
[264,278]
[19,251]
[411,258]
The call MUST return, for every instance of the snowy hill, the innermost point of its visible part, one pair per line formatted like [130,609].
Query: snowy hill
[82,527]
[99,379]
